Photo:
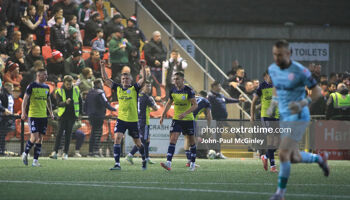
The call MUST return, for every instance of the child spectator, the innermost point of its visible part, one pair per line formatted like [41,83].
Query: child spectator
[98,43]
[73,43]
[72,22]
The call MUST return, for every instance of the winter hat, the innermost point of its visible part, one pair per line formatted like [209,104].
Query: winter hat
[72,30]
[12,66]
[56,54]
[116,16]
[133,19]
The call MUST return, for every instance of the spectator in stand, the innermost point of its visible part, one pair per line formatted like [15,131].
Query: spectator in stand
[18,58]
[249,91]
[6,108]
[234,67]
[99,7]
[30,75]
[72,22]
[84,13]
[74,64]
[318,107]
[174,64]
[15,43]
[332,87]
[119,50]
[3,17]
[338,104]
[85,81]
[133,33]
[55,66]
[34,55]
[30,23]
[333,78]
[58,12]
[115,22]
[17,106]
[29,44]
[91,27]
[256,83]
[40,31]
[3,40]
[12,74]
[154,83]
[236,81]
[218,102]
[93,62]
[323,77]
[57,36]
[155,53]
[73,43]
[98,43]
[69,7]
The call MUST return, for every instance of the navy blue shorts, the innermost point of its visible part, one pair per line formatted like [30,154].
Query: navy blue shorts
[182,126]
[144,131]
[122,126]
[38,125]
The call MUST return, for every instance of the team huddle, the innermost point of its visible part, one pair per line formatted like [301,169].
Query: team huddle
[283,98]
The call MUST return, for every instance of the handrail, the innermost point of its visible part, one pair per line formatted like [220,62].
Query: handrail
[197,47]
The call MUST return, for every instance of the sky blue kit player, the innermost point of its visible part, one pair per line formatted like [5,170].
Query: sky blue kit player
[289,79]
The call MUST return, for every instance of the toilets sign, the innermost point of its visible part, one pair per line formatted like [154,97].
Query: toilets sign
[309,51]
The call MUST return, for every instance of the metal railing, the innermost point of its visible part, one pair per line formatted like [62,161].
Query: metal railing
[208,71]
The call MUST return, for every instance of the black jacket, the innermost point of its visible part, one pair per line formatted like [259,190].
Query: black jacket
[134,35]
[30,59]
[155,51]
[58,38]
[218,105]
[96,103]
[5,122]
[90,31]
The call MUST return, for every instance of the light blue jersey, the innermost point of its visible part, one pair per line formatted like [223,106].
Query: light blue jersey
[290,86]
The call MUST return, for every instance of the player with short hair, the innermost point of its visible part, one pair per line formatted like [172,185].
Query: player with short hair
[264,92]
[127,95]
[37,95]
[185,103]
[204,106]
[289,79]
[145,102]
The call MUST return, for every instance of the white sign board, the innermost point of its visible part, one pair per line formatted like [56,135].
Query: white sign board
[309,51]
[188,46]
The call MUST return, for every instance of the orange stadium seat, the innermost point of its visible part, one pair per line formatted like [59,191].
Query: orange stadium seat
[46,52]
[158,113]
[51,85]
[105,131]
[109,72]
[113,113]
[108,91]
[162,92]
[82,33]
[85,127]
[10,135]
[170,113]
[18,129]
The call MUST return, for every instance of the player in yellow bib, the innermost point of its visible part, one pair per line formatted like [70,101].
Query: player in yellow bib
[127,96]
[185,103]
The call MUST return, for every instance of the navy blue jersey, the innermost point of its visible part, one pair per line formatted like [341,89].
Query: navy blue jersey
[203,104]
[144,104]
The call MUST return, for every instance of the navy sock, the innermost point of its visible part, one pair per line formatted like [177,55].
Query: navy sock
[29,145]
[134,150]
[188,155]
[146,149]
[37,151]
[271,156]
[171,151]
[142,152]
[193,150]
[117,149]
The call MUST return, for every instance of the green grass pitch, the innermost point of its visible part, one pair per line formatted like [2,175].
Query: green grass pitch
[241,179]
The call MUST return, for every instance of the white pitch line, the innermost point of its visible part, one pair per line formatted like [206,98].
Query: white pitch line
[177,189]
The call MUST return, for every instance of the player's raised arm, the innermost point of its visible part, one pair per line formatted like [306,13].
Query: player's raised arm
[167,107]
[143,76]
[105,78]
